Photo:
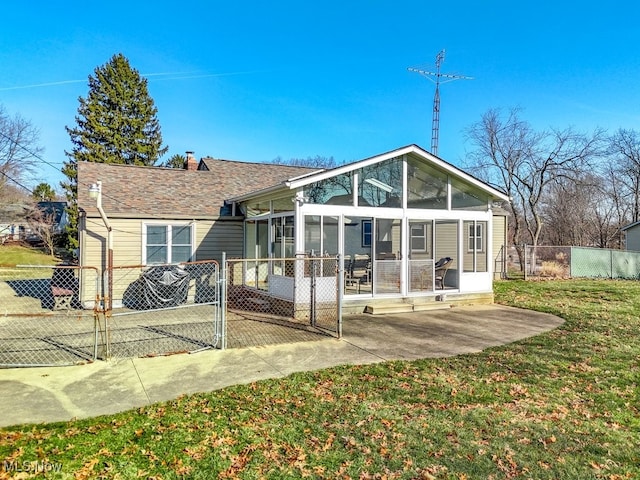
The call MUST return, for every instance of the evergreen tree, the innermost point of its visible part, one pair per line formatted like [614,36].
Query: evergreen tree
[116,123]
[175,161]
[44,192]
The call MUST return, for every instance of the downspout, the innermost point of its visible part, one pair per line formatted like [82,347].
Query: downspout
[109,302]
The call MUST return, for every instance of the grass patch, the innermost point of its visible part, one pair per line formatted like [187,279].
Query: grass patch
[12,255]
[562,405]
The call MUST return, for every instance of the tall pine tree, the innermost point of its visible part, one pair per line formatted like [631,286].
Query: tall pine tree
[116,123]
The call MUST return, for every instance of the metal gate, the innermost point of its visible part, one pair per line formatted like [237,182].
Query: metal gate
[47,315]
[298,295]
[162,310]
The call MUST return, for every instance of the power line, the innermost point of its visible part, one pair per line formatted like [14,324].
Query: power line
[33,154]
[17,182]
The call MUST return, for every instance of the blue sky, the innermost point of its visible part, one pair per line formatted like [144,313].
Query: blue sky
[249,80]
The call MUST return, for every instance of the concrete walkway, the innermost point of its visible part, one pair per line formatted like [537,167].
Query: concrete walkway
[47,394]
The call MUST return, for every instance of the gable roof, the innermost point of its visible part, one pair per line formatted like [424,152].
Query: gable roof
[411,150]
[169,192]
[176,193]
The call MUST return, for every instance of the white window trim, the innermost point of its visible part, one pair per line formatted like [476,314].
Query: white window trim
[423,236]
[191,225]
[472,240]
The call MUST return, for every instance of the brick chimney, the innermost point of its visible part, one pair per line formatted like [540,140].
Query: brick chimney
[191,163]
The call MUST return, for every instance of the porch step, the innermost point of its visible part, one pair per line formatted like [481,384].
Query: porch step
[423,307]
[381,309]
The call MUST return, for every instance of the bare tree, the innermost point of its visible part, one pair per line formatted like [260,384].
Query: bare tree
[582,211]
[18,149]
[524,162]
[624,151]
[42,225]
[312,162]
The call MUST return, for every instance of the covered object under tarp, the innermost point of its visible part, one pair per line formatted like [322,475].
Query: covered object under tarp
[158,287]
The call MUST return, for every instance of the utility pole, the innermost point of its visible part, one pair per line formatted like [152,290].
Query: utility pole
[436,77]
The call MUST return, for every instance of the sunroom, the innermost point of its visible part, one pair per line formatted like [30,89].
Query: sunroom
[404,225]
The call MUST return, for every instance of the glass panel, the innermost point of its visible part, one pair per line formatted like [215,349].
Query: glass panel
[312,234]
[250,236]
[446,245]
[388,239]
[262,239]
[357,258]
[289,245]
[466,197]
[257,208]
[380,184]
[156,235]
[426,186]
[156,254]
[418,237]
[332,191]
[283,246]
[180,253]
[476,247]
[284,204]
[421,238]
[421,275]
[330,235]
[367,233]
[481,247]
[387,266]
[469,248]
[181,235]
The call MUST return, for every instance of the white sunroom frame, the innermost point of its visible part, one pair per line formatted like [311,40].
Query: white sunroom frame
[467,282]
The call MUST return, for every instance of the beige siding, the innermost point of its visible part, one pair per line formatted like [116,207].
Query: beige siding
[211,239]
[446,245]
[214,238]
[499,245]
[127,246]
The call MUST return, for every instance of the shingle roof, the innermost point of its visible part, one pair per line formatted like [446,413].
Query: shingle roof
[169,192]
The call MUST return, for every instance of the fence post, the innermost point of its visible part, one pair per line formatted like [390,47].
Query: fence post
[611,263]
[339,292]
[524,254]
[312,293]
[222,304]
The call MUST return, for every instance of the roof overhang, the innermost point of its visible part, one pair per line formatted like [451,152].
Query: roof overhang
[410,150]
[631,225]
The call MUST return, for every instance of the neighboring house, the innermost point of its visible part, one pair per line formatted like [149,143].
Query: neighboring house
[388,217]
[632,237]
[17,220]
[57,213]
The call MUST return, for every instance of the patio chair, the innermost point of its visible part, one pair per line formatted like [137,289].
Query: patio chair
[441,268]
[358,271]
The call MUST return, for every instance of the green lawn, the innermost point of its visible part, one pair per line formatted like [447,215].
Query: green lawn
[563,405]
[12,255]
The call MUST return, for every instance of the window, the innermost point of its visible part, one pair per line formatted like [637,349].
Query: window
[167,243]
[419,237]
[476,237]
[366,233]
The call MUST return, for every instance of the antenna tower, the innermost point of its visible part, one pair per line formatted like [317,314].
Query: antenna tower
[437,78]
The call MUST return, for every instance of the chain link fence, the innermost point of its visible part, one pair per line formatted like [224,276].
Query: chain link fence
[64,315]
[162,310]
[545,261]
[47,315]
[294,299]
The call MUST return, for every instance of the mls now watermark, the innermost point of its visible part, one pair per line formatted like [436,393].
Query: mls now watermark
[34,466]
